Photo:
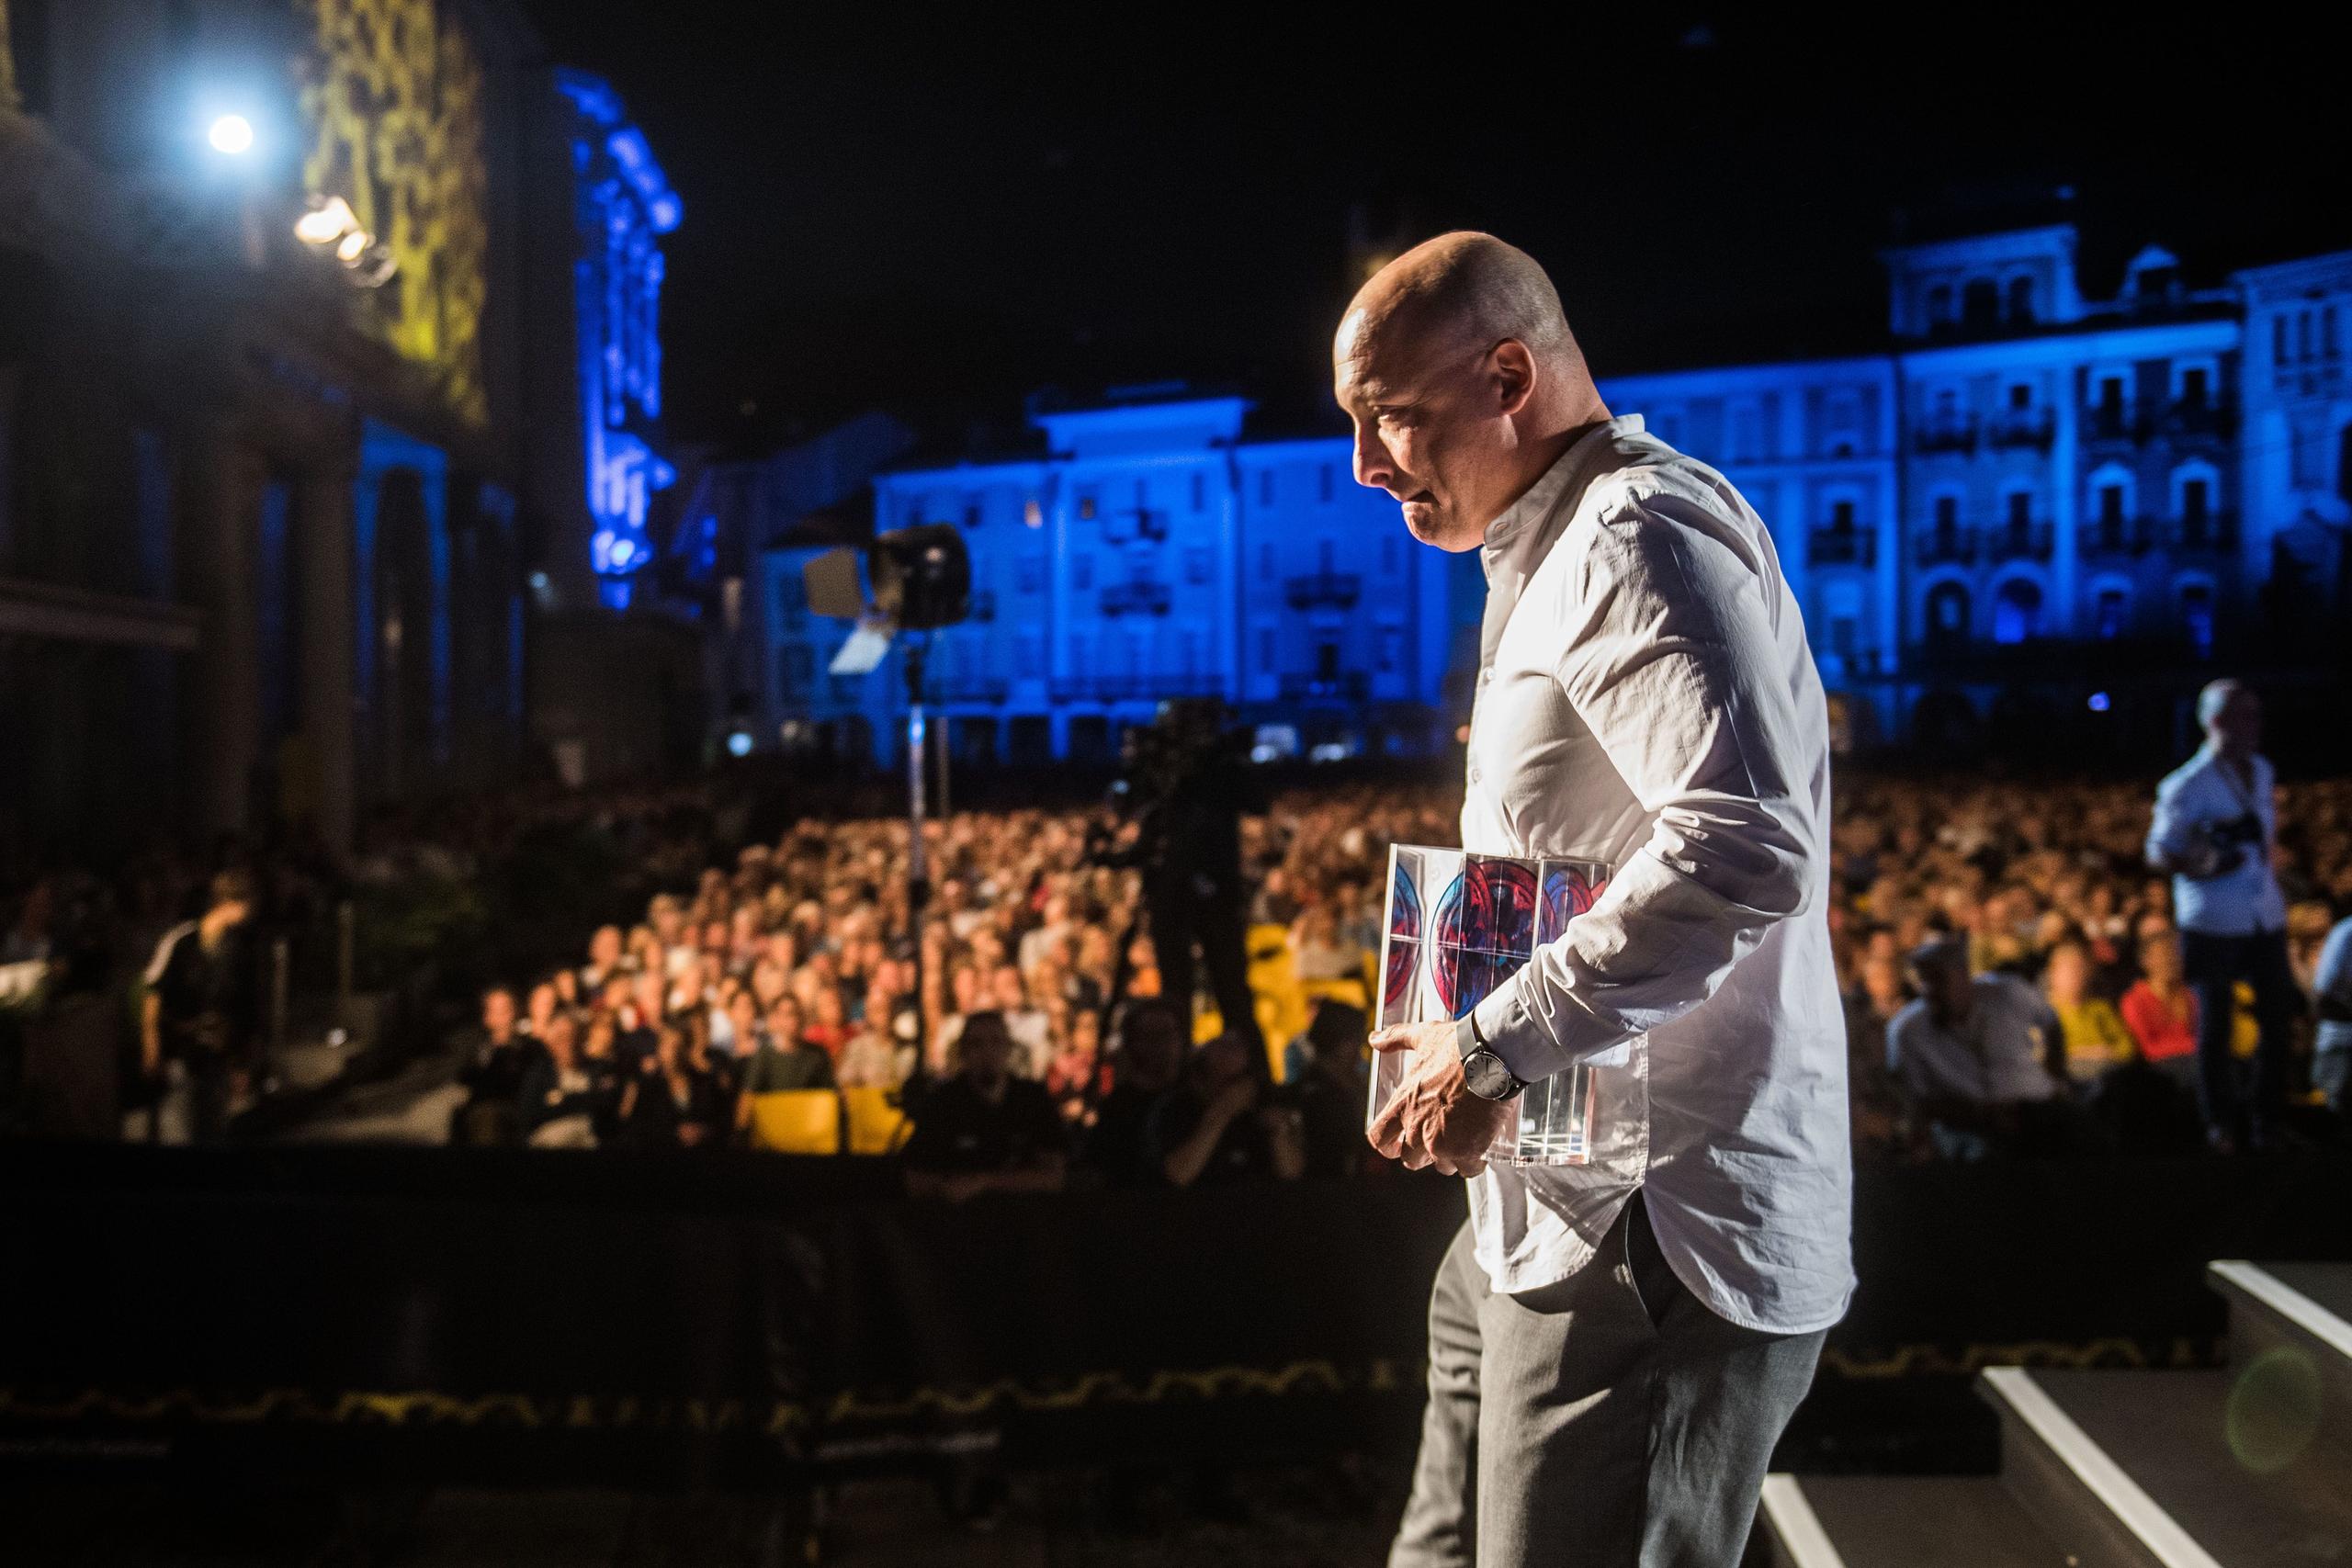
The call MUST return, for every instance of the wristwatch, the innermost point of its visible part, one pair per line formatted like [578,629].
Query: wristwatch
[1482,1070]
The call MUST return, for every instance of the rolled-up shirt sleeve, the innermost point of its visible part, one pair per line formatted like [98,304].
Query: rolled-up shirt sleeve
[1671,661]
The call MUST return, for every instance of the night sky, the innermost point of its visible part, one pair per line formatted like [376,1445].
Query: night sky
[937,219]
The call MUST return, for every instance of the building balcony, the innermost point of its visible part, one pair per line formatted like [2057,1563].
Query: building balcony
[2116,538]
[1324,589]
[1946,546]
[2110,425]
[2021,427]
[2017,541]
[1132,688]
[1348,686]
[2211,532]
[2205,418]
[1841,546]
[1141,597]
[1955,435]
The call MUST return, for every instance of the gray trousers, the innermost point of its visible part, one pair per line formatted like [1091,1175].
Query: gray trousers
[1610,1420]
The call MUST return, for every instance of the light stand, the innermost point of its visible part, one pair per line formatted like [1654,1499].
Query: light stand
[918,871]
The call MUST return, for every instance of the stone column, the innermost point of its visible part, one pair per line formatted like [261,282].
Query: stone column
[223,484]
[330,640]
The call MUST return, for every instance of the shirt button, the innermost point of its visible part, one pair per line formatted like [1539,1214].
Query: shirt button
[1474,773]
[1486,675]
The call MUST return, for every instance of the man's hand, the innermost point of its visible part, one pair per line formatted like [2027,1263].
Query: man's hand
[1433,1119]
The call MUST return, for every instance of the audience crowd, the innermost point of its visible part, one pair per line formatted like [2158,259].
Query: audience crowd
[2012,975]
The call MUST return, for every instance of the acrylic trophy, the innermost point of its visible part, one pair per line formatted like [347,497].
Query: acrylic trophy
[1457,925]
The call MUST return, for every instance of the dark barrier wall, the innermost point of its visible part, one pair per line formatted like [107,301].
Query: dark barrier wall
[726,1317]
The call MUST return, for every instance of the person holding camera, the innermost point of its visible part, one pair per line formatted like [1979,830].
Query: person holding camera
[2214,823]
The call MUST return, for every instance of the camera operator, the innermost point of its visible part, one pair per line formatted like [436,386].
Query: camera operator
[2213,831]
[1188,783]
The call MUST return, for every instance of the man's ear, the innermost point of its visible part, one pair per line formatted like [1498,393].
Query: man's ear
[1512,372]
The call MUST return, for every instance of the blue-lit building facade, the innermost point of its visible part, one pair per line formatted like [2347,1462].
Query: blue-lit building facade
[2155,479]
[1148,551]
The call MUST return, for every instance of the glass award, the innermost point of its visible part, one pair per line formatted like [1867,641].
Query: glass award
[1456,926]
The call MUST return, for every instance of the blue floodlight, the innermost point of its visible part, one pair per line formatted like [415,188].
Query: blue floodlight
[232,135]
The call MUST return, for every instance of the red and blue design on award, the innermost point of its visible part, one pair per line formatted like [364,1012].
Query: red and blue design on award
[1458,926]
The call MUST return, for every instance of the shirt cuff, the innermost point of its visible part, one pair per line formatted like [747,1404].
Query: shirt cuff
[1513,1033]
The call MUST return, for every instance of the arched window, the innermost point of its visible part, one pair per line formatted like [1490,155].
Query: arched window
[2016,612]
[1947,615]
[2021,301]
[1979,304]
[1939,306]
[2110,611]
[2196,616]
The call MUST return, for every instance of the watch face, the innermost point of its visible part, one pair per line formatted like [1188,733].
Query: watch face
[1489,1079]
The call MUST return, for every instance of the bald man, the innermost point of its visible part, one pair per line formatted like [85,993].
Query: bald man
[1614,1346]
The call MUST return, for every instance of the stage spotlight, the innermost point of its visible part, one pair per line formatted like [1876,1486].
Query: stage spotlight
[232,135]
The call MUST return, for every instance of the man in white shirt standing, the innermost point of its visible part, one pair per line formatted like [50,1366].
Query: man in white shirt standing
[2212,828]
[1614,1346]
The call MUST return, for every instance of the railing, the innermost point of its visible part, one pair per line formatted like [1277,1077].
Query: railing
[1841,546]
[1956,434]
[1132,688]
[2208,530]
[1946,546]
[2117,536]
[2021,427]
[1347,686]
[1336,589]
[1137,597]
[2019,541]
[2112,422]
[2206,416]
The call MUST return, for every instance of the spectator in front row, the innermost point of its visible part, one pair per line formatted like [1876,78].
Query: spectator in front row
[1212,1126]
[2097,1040]
[560,1097]
[1975,1055]
[2161,1010]
[984,1130]
[1118,1147]
[2332,1047]
[674,1102]
[493,1074]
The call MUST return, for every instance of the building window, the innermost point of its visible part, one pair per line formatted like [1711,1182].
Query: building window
[1940,312]
[2022,395]
[2194,387]
[1842,640]
[2193,500]
[1980,305]
[1029,574]
[2197,617]
[2021,301]
[1265,487]
[2109,412]
[1327,663]
[799,666]
[1946,518]
[1200,490]
[1197,564]
[2016,610]
[971,514]
[2110,614]
[2344,464]
[2020,510]
[1081,569]
[1947,613]
[2279,339]
[1266,648]
[1842,517]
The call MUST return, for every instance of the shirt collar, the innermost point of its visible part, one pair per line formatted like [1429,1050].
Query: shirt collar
[1563,481]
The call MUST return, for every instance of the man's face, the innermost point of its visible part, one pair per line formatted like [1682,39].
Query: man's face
[1431,427]
[2238,725]
[498,1012]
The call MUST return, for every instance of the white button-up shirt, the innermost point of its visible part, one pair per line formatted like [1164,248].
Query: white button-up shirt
[1646,700]
[2201,793]
[1997,1054]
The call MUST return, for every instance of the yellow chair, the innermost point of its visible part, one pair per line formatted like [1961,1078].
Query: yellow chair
[798,1122]
[1350,991]
[877,1126]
